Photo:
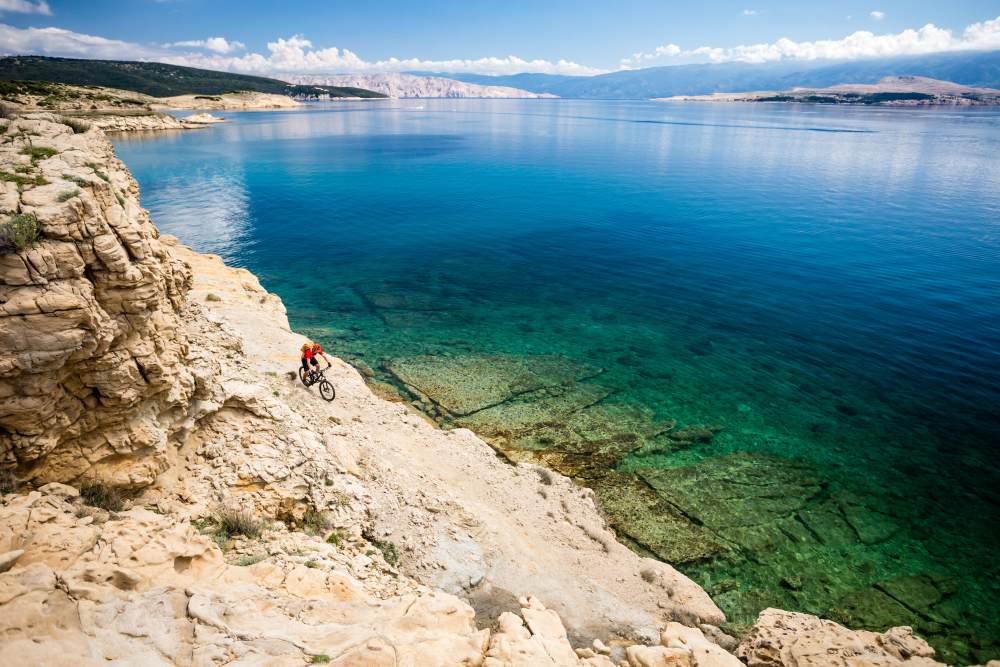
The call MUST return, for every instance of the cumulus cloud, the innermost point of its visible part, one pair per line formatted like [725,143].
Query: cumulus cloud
[877,15]
[298,55]
[26,7]
[216,44]
[981,36]
[665,51]
[292,55]
[59,42]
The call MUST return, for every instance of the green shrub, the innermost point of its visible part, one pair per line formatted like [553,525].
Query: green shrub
[245,561]
[66,196]
[38,152]
[73,178]
[237,521]
[334,538]
[98,494]
[313,522]
[320,658]
[97,170]
[389,552]
[23,179]
[18,233]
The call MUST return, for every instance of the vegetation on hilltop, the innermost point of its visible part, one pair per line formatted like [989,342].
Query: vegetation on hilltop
[156,79]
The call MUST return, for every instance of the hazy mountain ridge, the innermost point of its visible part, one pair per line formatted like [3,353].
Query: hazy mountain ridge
[980,69]
[409,85]
[890,91]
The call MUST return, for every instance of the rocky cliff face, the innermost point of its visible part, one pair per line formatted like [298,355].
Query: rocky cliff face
[92,378]
[408,85]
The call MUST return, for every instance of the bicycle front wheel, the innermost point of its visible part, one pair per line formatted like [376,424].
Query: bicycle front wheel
[326,390]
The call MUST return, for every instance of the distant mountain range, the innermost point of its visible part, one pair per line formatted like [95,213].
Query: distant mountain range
[157,79]
[890,91]
[408,85]
[973,68]
[977,69]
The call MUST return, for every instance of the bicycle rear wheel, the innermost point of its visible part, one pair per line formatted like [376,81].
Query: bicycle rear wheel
[326,390]
[302,376]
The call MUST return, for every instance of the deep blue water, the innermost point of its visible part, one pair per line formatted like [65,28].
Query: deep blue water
[824,283]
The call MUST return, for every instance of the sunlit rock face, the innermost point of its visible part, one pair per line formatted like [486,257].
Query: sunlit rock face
[92,374]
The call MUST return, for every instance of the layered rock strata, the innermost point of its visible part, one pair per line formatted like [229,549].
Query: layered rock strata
[93,378]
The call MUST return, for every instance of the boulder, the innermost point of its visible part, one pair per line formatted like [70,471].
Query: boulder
[789,639]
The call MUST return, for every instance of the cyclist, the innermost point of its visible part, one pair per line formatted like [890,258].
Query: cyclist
[310,364]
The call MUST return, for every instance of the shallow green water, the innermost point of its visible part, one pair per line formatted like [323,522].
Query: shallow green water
[770,333]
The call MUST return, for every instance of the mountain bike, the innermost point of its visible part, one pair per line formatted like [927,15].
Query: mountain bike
[326,389]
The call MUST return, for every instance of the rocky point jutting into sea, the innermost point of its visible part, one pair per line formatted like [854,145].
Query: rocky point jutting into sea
[173,495]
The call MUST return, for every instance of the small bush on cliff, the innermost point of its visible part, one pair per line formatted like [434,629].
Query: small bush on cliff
[389,551]
[67,195]
[314,523]
[22,179]
[18,233]
[98,494]
[97,170]
[73,178]
[38,152]
[237,521]
[246,561]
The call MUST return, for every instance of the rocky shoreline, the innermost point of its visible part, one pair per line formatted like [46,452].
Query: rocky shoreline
[115,110]
[173,495]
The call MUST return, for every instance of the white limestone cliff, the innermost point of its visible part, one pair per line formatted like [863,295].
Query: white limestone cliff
[409,85]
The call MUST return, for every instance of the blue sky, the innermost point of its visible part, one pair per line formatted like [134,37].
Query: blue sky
[575,37]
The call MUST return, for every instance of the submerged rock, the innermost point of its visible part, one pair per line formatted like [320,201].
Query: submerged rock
[466,384]
[645,517]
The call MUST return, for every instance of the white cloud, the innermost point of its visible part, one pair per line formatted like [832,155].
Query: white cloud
[297,54]
[665,51]
[26,7]
[216,44]
[877,15]
[984,35]
[750,12]
[293,55]
[59,42]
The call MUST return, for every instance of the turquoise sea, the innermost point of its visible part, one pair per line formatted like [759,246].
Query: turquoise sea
[768,336]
